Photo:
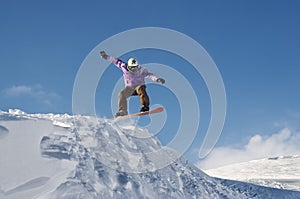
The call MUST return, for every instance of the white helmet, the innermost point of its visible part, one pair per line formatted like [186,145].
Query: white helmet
[132,62]
[132,65]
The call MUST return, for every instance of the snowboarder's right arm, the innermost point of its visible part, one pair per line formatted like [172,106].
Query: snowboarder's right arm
[119,63]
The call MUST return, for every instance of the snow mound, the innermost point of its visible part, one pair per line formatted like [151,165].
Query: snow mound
[282,172]
[51,156]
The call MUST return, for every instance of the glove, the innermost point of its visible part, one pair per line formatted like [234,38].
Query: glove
[103,54]
[161,80]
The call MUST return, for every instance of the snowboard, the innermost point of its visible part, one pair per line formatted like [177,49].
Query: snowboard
[156,110]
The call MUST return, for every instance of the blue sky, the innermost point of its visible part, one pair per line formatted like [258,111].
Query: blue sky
[255,45]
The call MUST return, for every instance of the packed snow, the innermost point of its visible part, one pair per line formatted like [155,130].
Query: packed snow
[50,156]
[279,172]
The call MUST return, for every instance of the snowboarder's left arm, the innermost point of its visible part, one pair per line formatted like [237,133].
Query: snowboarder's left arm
[154,78]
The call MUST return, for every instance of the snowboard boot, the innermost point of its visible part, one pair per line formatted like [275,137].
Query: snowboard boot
[121,113]
[144,109]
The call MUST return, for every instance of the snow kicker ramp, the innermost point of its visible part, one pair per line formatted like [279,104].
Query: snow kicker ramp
[68,157]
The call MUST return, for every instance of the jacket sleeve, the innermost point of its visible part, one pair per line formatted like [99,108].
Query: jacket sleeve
[150,76]
[119,63]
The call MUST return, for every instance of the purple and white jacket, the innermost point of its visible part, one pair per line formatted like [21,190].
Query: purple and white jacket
[132,79]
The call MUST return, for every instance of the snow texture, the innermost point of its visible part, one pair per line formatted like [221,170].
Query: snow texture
[279,172]
[49,156]
[3,132]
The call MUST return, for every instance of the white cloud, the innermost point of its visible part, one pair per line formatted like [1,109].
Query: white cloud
[16,91]
[282,143]
[35,92]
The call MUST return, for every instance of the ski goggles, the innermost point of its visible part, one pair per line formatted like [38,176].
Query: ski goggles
[132,68]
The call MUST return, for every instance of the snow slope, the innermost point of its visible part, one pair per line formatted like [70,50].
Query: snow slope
[278,172]
[51,156]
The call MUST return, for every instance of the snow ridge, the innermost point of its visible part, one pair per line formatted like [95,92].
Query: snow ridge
[87,157]
[281,172]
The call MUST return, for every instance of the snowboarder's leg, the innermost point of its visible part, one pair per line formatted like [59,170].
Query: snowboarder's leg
[144,99]
[123,95]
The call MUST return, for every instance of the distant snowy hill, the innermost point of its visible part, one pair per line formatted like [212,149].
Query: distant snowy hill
[49,156]
[278,172]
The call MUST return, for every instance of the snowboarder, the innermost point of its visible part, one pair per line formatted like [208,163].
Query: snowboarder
[134,77]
